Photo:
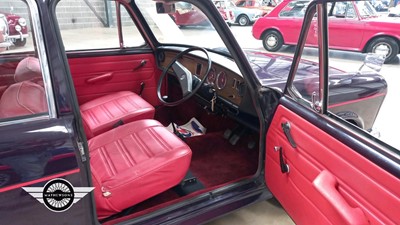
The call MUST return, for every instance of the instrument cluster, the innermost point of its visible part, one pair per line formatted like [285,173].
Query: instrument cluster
[219,80]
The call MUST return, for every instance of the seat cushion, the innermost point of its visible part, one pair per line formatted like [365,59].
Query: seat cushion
[134,162]
[102,114]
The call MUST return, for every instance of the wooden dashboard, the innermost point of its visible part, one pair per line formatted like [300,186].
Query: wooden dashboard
[227,84]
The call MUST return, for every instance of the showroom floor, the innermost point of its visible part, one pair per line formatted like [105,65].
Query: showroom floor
[262,213]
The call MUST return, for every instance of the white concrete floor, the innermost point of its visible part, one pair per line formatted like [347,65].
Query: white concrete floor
[263,213]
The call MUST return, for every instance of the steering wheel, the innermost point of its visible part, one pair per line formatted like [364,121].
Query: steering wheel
[184,76]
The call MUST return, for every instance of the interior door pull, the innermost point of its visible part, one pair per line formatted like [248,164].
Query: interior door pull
[286,130]
[326,184]
[142,63]
[282,163]
[100,78]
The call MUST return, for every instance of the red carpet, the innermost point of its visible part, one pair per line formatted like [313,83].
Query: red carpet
[215,161]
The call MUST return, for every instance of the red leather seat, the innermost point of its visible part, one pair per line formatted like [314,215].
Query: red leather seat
[28,69]
[98,115]
[101,114]
[134,162]
[24,97]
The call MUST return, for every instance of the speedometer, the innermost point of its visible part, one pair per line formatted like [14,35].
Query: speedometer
[211,76]
[221,80]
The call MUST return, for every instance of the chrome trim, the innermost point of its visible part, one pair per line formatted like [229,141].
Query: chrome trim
[41,51]
[24,120]
[323,51]
[18,36]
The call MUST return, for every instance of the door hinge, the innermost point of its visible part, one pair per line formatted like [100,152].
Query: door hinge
[81,150]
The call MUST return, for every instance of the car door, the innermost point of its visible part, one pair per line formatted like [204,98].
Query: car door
[41,145]
[124,63]
[344,23]
[322,169]
[291,20]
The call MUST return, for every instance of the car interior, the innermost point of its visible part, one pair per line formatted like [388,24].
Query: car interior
[165,167]
[171,125]
[137,164]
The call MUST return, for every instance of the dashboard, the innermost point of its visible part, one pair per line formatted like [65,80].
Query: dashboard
[224,82]
[228,85]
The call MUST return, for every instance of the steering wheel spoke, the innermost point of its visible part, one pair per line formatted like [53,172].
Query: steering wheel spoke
[184,76]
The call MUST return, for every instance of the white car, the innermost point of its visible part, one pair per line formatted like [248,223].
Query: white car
[394,11]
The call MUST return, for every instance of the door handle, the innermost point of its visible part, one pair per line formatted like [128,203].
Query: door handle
[282,163]
[142,63]
[100,78]
[326,184]
[286,130]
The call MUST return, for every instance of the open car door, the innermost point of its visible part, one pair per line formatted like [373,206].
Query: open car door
[322,169]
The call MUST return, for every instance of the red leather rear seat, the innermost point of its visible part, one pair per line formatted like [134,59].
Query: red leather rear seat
[22,99]
[134,162]
[26,96]
[101,114]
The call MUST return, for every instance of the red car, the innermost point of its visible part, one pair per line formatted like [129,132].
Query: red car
[353,26]
[188,15]
[16,30]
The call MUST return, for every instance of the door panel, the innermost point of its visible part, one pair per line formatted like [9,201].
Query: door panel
[97,76]
[328,182]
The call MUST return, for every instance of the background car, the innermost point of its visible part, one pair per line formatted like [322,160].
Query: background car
[255,4]
[243,16]
[17,29]
[188,15]
[380,6]
[358,20]
[394,11]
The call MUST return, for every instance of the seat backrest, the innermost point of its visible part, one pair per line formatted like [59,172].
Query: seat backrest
[25,97]
[28,69]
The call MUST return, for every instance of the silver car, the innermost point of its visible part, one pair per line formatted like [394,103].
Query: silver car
[243,16]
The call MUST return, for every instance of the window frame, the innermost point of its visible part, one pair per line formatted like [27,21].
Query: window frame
[38,41]
[120,34]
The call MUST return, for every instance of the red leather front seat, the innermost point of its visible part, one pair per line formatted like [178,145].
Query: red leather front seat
[102,114]
[134,162]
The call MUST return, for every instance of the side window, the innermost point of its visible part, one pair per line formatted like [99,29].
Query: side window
[84,26]
[294,9]
[241,3]
[361,90]
[343,10]
[24,79]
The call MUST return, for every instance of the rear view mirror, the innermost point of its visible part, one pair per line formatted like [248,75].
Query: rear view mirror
[165,8]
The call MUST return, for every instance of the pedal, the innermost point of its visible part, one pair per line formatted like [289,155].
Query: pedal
[189,181]
[234,139]
[251,144]
[227,134]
